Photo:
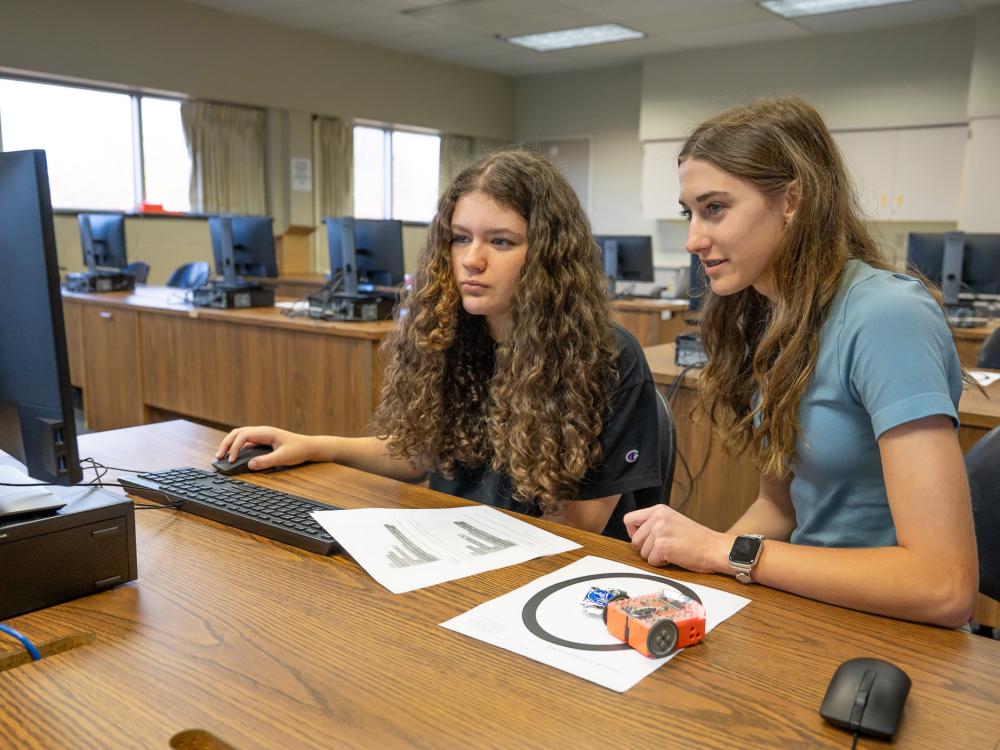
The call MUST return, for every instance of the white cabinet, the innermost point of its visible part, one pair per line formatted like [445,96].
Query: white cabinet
[912,174]
[660,188]
[981,203]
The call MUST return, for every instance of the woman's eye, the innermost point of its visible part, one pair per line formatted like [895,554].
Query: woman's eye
[458,238]
[686,214]
[714,209]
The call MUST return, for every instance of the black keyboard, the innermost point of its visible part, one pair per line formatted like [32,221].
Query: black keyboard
[242,505]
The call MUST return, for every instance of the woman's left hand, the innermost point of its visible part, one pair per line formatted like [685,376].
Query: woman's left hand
[663,536]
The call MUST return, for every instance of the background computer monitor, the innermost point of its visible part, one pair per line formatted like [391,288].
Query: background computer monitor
[378,250]
[634,260]
[979,255]
[253,245]
[36,408]
[105,233]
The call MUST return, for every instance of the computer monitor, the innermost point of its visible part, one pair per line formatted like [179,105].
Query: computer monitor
[36,408]
[962,264]
[627,257]
[377,252]
[102,237]
[251,248]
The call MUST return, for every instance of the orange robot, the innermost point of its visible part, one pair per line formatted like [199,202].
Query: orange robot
[656,624]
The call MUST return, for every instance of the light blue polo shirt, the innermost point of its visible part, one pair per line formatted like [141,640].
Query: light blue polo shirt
[886,357]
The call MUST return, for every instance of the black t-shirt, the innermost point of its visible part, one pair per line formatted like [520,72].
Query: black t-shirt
[632,463]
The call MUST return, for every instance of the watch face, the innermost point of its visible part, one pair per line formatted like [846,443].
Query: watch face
[745,550]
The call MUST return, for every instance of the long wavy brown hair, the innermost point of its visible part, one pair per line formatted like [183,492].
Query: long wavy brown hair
[532,406]
[762,354]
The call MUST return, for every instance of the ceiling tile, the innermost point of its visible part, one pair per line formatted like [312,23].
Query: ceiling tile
[703,20]
[768,31]
[330,15]
[622,11]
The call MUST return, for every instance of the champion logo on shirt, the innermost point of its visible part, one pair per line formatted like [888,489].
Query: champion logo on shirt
[632,456]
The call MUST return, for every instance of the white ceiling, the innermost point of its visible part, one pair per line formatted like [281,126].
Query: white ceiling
[468,32]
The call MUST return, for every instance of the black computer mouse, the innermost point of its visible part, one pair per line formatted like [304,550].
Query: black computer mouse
[866,696]
[243,458]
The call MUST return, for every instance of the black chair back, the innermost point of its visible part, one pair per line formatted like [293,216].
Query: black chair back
[668,444]
[989,354]
[189,276]
[982,463]
[139,270]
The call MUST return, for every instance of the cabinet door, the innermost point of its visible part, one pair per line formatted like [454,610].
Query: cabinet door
[870,158]
[980,206]
[928,174]
[660,188]
[112,396]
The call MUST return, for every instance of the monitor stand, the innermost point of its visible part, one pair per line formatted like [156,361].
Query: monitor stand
[231,291]
[96,279]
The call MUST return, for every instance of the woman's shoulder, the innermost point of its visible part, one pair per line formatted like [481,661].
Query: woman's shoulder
[869,291]
[631,364]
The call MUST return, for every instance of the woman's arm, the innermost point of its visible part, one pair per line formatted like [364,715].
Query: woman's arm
[930,576]
[365,453]
[772,513]
[589,515]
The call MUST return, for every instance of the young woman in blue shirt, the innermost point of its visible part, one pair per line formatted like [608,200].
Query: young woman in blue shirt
[836,375]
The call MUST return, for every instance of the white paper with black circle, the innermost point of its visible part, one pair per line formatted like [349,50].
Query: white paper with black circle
[544,620]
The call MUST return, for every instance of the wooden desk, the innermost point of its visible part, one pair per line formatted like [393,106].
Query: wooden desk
[266,646]
[295,286]
[969,341]
[651,321]
[145,355]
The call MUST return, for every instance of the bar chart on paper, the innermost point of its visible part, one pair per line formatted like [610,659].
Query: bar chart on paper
[482,542]
[407,553]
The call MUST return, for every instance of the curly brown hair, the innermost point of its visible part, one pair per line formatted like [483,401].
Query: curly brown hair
[534,405]
[762,354]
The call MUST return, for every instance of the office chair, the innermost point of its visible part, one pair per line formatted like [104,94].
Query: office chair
[189,276]
[989,354]
[982,463]
[668,443]
[139,270]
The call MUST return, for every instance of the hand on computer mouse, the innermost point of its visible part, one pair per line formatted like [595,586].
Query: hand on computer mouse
[290,448]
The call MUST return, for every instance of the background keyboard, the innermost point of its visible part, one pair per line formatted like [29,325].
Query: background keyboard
[242,505]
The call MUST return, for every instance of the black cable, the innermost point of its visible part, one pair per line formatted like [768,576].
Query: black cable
[854,744]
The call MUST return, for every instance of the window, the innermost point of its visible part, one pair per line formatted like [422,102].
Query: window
[90,138]
[86,135]
[165,158]
[395,174]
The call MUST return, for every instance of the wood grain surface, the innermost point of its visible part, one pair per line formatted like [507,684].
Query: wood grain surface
[260,645]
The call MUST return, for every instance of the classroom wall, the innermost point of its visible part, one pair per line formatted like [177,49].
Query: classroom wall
[204,53]
[984,84]
[910,76]
[602,105]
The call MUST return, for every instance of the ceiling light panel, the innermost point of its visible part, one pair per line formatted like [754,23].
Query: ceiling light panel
[800,8]
[585,36]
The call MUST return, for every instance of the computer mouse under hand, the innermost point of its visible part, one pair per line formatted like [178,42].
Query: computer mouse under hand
[243,459]
[866,696]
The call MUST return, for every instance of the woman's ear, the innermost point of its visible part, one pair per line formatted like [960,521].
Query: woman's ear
[791,203]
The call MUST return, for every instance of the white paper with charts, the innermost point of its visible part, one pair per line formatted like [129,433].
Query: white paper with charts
[544,620]
[409,549]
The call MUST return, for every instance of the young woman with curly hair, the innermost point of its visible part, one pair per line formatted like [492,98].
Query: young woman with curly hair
[838,376]
[506,381]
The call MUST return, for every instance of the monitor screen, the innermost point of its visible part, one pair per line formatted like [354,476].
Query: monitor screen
[378,247]
[635,256]
[697,285]
[36,409]
[107,238]
[253,245]
[980,260]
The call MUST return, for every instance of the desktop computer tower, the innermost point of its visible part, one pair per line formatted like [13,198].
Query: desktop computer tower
[225,297]
[100,282]
[87,547]
[356,307]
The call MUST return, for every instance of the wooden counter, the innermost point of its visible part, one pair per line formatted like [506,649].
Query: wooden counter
[144,355]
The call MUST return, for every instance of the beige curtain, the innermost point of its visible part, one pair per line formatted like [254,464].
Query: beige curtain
[334,148]
[226,145]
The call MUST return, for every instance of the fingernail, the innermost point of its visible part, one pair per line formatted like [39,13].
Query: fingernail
[252,464]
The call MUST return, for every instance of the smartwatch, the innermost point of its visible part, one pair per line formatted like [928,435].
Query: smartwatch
[745,554]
